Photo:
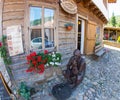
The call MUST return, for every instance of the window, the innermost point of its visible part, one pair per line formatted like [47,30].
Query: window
[41,27]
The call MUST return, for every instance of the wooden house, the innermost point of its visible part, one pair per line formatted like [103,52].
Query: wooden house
[34,25]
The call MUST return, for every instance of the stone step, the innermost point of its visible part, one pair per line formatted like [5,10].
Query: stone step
[19,65]
[32,79]
[18,58]
[20,75]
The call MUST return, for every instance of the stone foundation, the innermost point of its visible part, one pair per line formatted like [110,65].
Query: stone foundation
[4,72]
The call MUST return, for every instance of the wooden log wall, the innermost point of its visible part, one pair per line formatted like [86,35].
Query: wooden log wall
[67,39]
[13,14]
[46,1]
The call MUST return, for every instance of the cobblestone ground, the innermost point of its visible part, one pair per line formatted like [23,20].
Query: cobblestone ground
[101,82]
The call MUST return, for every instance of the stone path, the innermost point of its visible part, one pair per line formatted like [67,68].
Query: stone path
[101,82]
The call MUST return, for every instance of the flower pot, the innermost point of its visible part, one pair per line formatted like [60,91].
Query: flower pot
[69,28]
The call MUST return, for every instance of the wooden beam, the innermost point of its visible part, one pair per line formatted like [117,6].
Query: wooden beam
[92,7]
[100,15]
[78,1]
[96,11]
[87,3]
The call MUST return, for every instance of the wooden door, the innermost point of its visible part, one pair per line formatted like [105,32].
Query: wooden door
[90,37]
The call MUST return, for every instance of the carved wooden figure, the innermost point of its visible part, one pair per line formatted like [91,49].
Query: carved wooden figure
[75,69]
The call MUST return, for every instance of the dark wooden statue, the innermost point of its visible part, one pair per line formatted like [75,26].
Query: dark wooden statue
[75,69]
[74,74]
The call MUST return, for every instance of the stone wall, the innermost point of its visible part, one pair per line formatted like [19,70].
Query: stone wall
[5,73]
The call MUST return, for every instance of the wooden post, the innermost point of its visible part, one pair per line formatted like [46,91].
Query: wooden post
[116,35]
[108,34]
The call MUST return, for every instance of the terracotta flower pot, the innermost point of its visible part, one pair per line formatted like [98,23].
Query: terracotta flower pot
[69,28]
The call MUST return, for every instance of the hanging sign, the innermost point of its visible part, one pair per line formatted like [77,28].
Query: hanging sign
[4,90]
[14,40]
[69,6]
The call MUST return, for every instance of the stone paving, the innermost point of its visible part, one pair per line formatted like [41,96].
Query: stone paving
[101,82]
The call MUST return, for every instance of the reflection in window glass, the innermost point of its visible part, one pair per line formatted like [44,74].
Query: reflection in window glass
[48,17]
[49,38]
[36,39]
[35,16]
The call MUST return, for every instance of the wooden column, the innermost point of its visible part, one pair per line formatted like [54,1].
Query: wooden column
[108,34]
[116,35]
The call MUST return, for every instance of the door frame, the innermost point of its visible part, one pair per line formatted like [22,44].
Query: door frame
[82,18]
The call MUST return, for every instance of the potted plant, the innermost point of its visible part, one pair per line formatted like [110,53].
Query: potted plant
[25,91]
[3,51]
[38,61]
[69,26]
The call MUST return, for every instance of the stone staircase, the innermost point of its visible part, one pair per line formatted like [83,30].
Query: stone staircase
[19,74]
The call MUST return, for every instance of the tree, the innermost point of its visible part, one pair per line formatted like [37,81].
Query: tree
[118,40]
[113,20]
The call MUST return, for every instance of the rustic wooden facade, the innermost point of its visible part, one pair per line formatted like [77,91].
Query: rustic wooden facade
[15,12]
[89,18]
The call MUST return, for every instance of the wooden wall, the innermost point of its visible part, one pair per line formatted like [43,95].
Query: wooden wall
[67,39]
[91,22]
[14,14]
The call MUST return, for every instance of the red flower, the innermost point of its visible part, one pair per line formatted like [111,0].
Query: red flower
[28,57]
[45,51]
[33,54]
[28,62]
[41,67]
[0,44]
[34,63]
[44,61]
[30,70]
[39,58]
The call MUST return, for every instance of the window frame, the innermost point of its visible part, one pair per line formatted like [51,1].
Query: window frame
[43,6]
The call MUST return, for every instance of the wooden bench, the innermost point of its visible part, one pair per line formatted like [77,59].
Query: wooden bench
[99,50]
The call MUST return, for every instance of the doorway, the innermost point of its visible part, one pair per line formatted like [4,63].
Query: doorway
[80,35]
